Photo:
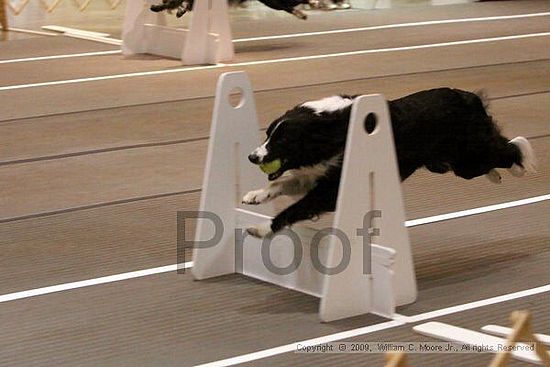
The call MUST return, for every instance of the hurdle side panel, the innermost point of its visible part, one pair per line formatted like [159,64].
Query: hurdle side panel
[134,34]
[370,181]
[228,174]
[210,33]
[196,52]
[219,25]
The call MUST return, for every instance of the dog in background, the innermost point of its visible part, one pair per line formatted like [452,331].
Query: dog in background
[440,129]
[183,6]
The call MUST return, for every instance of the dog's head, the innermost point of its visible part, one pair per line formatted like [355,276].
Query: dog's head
[303,137]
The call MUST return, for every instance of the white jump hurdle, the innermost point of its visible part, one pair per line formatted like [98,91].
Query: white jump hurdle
[367,185]
[207,41]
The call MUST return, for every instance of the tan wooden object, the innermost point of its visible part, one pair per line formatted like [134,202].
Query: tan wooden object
[3,17]
[522,332]
[396,360]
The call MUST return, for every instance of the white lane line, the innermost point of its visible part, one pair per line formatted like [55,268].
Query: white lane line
[187,265]
[30,31]
[83,36]
[474,211]
[306,34]
[91,282]
[292,347]
[41,58]
[61,29]
[110,77]
[399,321]
[273,61]
[395,25]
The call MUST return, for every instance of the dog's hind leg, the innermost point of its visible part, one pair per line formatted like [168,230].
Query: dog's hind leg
[524,157]
[515,155]
[438,167]
[477,163]
[298,14]
[494,176]
[406,169]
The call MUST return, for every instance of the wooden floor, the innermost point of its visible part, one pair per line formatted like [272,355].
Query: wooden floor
[98,153]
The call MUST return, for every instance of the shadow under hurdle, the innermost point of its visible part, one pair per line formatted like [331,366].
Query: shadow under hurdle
[207,41]
[370,184]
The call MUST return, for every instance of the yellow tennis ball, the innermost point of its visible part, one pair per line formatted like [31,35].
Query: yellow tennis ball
[271,167]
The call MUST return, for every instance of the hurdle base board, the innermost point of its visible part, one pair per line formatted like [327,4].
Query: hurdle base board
[439,330]
[505,331]
[173,40]
[306,278]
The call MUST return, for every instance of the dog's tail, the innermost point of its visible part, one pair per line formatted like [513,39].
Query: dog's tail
[528,158]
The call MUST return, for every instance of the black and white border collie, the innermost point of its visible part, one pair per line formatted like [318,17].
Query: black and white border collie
[440,129]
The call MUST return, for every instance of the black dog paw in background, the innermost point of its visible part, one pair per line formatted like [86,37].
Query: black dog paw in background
[182,6]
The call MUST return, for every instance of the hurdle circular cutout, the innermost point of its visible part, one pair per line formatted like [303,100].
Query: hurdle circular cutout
[236,97]
[370,123]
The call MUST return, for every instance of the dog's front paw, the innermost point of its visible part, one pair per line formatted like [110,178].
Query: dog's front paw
[261,230]
[256,197]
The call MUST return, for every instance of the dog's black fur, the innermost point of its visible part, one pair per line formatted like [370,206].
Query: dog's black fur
[183,6]
[440,129]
